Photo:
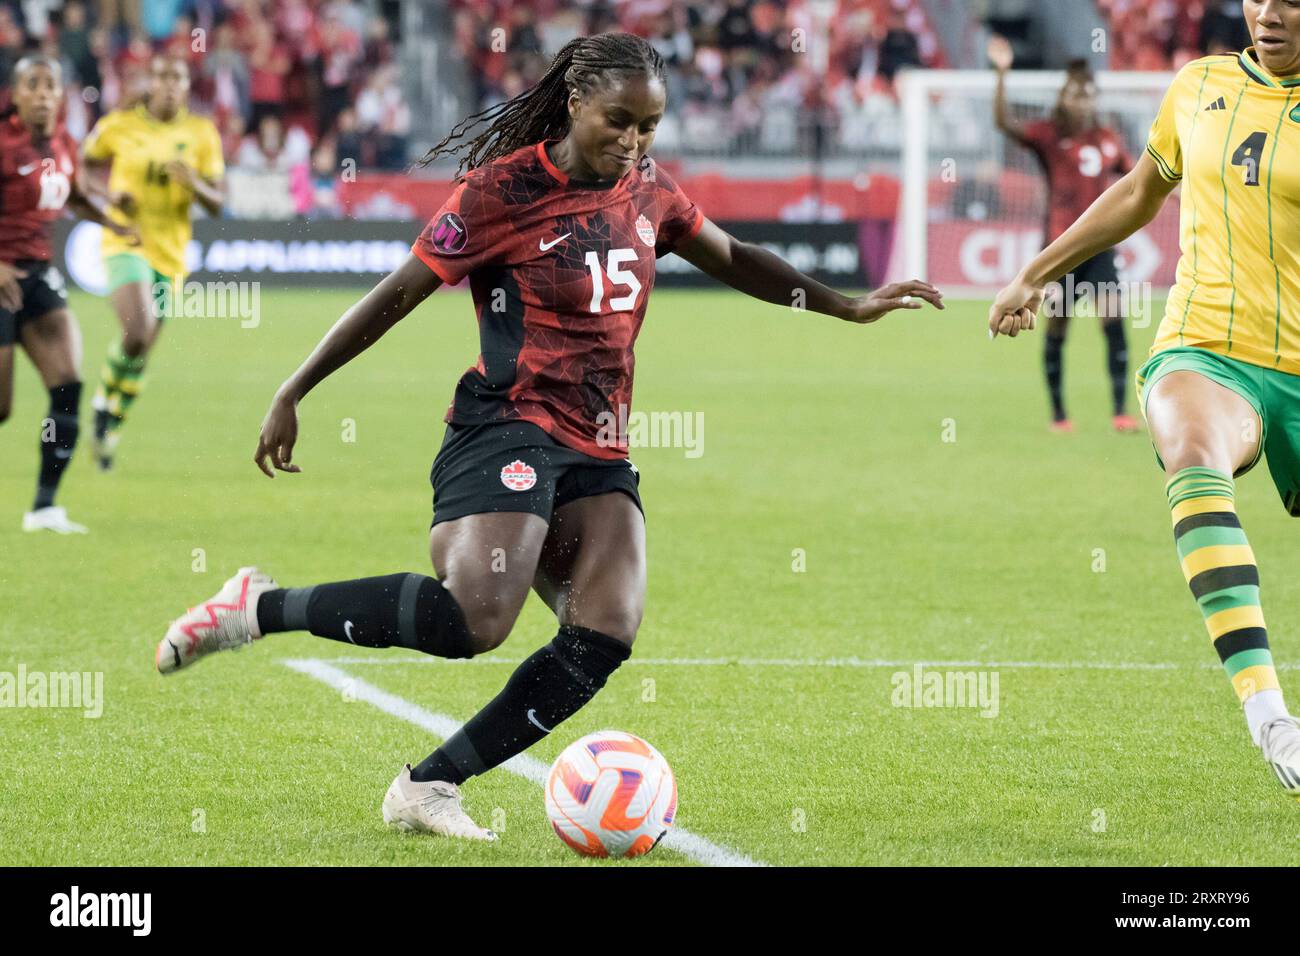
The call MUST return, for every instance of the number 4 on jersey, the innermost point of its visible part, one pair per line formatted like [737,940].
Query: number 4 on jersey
[1248,155]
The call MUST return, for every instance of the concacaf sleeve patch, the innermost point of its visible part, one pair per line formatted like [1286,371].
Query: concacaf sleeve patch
[449,234]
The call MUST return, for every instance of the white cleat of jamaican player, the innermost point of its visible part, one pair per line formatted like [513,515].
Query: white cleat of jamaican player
[225,621]
[1279,739]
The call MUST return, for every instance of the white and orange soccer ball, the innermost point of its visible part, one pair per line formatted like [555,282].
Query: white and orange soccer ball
[611,794]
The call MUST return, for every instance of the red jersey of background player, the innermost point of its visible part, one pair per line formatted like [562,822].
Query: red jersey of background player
[1078,168]
[36,176]
[560,272]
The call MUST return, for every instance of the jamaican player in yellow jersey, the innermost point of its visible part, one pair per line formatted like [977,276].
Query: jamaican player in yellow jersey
[161,160]
[1221,388]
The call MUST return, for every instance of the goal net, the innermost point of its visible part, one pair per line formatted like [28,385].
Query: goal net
[973,205]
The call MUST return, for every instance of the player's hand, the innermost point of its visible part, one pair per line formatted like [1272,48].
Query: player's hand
[899,295]
[180,173]
[1015,310]
[130,233]
[1001,54]
[279,435]
[11,293]
[124,202]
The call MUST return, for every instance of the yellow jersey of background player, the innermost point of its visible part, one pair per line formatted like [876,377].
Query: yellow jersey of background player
[142,149]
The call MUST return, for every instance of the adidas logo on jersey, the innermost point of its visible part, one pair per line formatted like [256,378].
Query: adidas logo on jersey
[1218,104]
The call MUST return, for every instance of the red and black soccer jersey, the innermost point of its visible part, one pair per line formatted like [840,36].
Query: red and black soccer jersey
[36,176]
[1078,168]
[560,272]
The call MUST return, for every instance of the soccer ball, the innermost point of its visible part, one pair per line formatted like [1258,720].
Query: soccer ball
[611,794]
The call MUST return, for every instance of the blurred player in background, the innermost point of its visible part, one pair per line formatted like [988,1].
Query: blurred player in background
[38,165]
[1079,157]
[162,159]
[1222,385]
[557,225]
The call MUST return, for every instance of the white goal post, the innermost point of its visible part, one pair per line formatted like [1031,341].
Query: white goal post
[973,204]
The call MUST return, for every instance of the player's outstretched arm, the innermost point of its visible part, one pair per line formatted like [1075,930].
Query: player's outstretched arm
[360,327]
[1119,212]
[755,271]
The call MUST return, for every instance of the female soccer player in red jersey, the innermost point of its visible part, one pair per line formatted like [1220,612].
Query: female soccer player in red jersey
[1078,156]
[38,162]
[557,225]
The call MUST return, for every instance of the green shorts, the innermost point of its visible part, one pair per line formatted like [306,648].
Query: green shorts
[125,268]
[1274,395]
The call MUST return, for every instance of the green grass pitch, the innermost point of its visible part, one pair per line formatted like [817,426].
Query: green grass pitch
[906,465]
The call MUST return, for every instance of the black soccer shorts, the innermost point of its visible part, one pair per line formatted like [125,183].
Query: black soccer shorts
[43,291]
[517,466]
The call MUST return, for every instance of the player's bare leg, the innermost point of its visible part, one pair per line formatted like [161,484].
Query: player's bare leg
[487,562]
[593,568]
[53,343]
[122,375]
[1205,433]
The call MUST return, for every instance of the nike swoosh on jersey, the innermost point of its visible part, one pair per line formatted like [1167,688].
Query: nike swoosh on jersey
[543,245]
[29,168]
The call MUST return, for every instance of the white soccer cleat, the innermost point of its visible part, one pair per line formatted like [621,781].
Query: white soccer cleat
[51,519]
[1279,739]
[432,807]
[224,621]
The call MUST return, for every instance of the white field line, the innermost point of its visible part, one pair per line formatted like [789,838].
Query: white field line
[817,662]
[689,845]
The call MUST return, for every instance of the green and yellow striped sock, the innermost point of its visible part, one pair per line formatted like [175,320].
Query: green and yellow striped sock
[120,382]
[1219,566]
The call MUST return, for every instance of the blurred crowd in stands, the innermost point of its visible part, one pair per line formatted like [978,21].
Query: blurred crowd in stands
[1165,34]
[303,87]
[293,85]
[741,74]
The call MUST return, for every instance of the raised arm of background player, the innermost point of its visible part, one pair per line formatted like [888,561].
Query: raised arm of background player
[1001,56]
[743,266]
[1119,212]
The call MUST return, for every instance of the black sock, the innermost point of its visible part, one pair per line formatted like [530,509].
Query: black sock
[546,689]
[1052,366]
[58,439]
[1117,363]
[396,610]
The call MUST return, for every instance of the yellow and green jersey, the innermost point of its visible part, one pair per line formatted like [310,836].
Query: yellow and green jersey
[140,146]
[1230,133]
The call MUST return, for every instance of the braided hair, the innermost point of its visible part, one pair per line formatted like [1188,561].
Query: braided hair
[542,112]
